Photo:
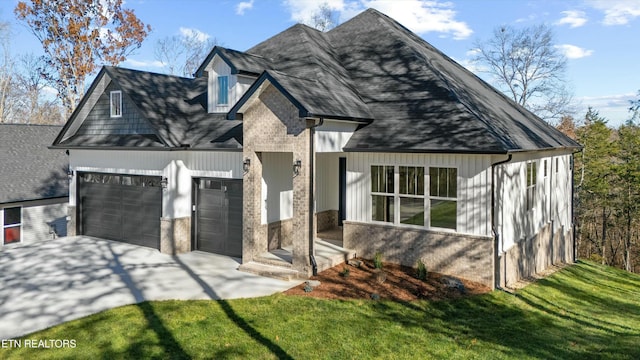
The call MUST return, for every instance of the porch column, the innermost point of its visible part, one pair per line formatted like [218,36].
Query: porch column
[254,236]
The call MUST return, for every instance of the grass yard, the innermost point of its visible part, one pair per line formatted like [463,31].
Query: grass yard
[585,311]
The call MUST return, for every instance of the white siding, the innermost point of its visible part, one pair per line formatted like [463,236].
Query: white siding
[552,200]
[277,187]
[474,188]
[327,181]
[42,220]
[238,85]
[332,136]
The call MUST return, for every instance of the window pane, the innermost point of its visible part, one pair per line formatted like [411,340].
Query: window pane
[443,214]
[375,179]
[404,188]
[433,179]
[420,181]
[412,211]
[12,216]
[116,103]
[390,188]
[453,183]
[223,87]
[12,234]
[382,208]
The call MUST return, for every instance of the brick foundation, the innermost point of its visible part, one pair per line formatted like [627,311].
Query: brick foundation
[465,256]
[280,234]
[72,224]
[327,219]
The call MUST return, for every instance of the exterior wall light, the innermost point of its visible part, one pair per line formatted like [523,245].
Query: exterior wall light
[164,182]
[69,173]
[296,167]
[246,164]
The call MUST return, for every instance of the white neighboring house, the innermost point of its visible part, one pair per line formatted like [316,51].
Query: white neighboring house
[364,138]
[33,184]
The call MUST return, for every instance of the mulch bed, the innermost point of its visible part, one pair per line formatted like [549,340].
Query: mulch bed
[400,284]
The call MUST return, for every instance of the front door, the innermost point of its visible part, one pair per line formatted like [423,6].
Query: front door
[342,190]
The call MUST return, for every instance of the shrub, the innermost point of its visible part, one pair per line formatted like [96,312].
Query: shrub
[308,288]
[421,270]
[345,272]
[377,260]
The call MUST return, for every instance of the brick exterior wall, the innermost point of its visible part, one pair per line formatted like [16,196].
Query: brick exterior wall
[327,220]
[175,235]
[280,234]
[536,254]
[465,256]
[72,224]
[271,124]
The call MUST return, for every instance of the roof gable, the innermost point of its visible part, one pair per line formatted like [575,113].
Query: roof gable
[239,62]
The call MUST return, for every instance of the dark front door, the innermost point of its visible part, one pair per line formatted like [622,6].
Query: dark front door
[218,216]
[119,207]
[342,190]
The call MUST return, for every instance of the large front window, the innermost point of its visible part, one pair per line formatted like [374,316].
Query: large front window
[12,225]
[398,196]
[443,192]
[223,90]
[531,185]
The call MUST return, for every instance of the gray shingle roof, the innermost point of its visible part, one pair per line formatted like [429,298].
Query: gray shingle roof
[174,106]
[31,171]
[240,62]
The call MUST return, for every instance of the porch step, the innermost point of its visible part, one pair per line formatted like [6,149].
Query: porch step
[276,272]
[271,260]
[329,255]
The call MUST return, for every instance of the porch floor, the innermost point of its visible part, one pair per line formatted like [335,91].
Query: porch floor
[333,236]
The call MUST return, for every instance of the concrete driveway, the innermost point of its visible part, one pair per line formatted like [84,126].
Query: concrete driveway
[48,283]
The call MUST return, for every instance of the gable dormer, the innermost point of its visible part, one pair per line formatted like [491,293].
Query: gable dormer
[230,73]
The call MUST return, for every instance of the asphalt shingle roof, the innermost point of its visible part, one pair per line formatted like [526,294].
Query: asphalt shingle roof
[31,171]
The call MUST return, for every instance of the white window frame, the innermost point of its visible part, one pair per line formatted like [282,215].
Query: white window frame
[115,108]
[219,89]
[531,182]
[444,198]
[426,197]
[5,226]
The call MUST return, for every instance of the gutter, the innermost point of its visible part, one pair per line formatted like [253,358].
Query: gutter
[496,235]
[312,235]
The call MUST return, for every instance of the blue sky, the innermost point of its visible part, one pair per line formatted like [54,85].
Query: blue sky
[600,37]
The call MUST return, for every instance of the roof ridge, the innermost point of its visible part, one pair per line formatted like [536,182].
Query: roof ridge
[121,68]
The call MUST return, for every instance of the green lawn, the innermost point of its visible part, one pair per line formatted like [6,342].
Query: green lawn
[585,311]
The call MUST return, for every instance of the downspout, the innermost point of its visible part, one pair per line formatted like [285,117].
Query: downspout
[312,235]
[494,231]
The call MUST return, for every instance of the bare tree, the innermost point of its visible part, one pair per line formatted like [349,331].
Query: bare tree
[182,54]
[36,100]
[324,18]
[526,65]
[6,74]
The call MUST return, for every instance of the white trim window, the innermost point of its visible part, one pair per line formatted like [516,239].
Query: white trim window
[382,193]
[223,90]
[12,225]
[411,195]
[443,197]
[531,184]
[115,99]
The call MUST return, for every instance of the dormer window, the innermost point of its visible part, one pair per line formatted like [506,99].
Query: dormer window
[223,90]
[116,104]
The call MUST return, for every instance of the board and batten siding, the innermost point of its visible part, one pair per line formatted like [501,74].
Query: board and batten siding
[516,223]
[277,187]
[238,85]
[332,136]
[179,167]
[327,181]
[474,186]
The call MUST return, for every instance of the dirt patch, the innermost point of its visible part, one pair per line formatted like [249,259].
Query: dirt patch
[400,284]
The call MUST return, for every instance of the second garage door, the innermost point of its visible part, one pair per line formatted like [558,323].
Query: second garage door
[126,208]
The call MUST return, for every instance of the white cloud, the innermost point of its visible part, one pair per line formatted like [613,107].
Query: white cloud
[573,52]
[617,12]
[194,34]
[244,6]
[144,64]
[614,108]
[420,16]
[573,18]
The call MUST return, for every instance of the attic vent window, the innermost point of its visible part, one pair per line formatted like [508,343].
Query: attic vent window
[223,90]
[116,104]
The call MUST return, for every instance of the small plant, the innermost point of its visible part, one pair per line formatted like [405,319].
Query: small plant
[375,296]
[421,270]
[308,288]
[377,260]
[345,272]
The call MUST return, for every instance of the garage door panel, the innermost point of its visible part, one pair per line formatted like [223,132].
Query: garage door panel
[219,216]
[121,208]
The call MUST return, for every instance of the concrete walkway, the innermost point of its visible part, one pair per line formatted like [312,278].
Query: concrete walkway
[48,283]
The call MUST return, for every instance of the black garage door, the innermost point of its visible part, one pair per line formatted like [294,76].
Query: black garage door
[218,216]
[126,208]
